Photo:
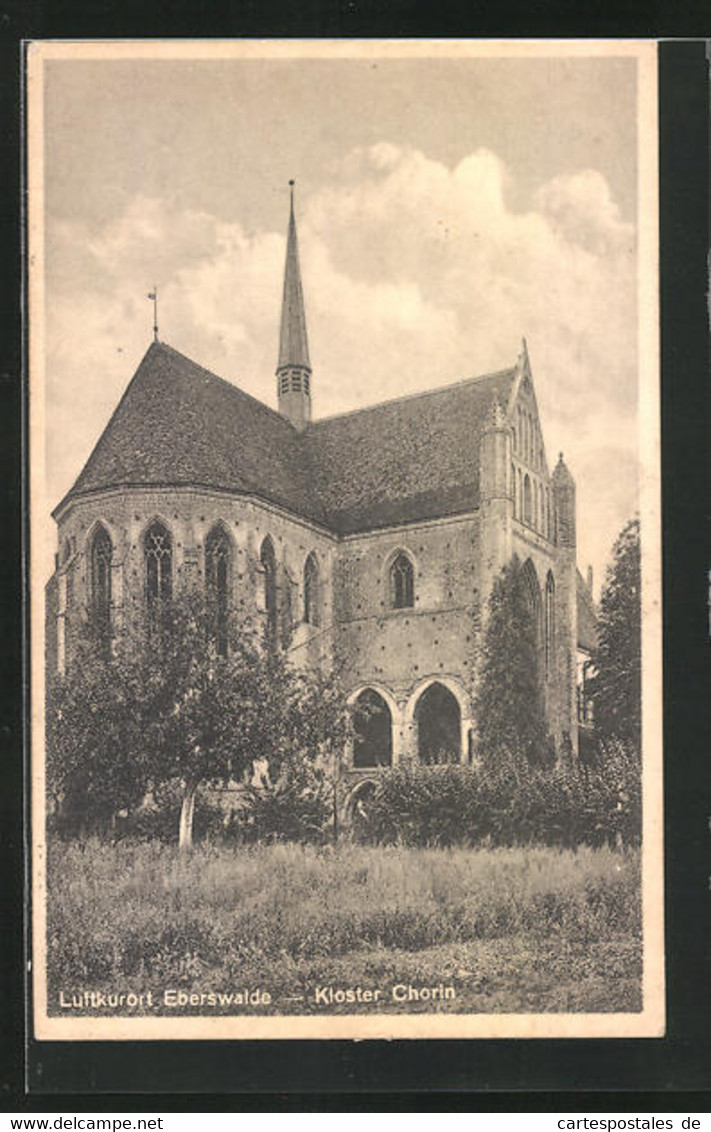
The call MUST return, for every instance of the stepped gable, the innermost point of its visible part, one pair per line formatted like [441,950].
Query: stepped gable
[177,424]
[587,618]
[405,460]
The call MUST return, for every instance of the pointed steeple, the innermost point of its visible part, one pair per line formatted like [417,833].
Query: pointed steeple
[293,368]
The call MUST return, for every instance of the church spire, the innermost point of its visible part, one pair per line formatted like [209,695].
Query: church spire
[293,368]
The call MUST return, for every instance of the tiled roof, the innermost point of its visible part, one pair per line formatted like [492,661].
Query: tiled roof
[414,458]
[178,424]
[410,459]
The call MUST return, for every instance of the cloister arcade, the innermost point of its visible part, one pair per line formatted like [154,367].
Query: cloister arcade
[430,725]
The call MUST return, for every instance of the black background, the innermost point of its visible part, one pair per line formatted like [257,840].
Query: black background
[669,1074]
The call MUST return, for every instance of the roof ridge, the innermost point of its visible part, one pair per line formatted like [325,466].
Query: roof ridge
[230,384]
[413,396]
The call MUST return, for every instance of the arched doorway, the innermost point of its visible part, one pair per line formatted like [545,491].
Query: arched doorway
[373,728]
[357,811]
[439,726]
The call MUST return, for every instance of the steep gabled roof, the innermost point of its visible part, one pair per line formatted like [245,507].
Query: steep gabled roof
[404,460]
[178,424]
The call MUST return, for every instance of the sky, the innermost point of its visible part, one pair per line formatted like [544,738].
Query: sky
[446,208]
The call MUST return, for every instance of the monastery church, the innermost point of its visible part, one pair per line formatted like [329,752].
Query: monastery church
[374,535]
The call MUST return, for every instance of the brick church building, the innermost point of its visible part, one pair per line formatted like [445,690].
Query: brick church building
[374,535]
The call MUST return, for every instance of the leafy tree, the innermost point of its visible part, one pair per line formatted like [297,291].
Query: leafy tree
[301,797]
[616,685]
[96,735]
[509,708]
[166,706]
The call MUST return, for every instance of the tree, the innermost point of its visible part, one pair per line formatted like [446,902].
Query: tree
[509,708]
[166,707]
[616,684]
[97,738]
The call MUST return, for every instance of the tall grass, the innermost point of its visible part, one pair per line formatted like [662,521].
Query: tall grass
[144,911]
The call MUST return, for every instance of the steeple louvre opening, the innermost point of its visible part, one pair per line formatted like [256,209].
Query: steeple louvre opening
[294,367]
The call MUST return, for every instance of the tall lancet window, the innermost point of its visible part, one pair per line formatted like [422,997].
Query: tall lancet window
[402,585]
[312,612]
[158,554]
[527,506]
[100,560]
[218,558]
[550,623]
[268,562]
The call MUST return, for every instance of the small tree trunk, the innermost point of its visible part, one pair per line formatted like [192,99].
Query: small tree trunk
[336,781]
[187,812]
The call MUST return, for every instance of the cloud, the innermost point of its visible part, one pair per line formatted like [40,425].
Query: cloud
[580,205]
[415,274]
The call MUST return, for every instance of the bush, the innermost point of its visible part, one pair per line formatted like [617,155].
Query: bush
[509,804]
[297,806]
[157,819]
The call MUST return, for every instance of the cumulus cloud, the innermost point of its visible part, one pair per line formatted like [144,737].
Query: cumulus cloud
[415,274]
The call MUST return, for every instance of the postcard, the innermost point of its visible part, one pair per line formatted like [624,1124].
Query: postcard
[345,539]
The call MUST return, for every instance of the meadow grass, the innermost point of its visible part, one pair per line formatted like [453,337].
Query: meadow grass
[143,914]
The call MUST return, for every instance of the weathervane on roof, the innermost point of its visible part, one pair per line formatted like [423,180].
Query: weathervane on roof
[153,296]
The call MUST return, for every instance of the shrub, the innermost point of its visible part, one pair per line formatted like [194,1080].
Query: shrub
[509,804]
[297,806]
[157,818]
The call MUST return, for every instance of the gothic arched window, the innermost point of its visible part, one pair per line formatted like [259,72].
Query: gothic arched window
[402,585]
[527,499]
[550,622]
[100,563]
[158,555]
[312,612]
[218,560]
[268,561]
[534,628]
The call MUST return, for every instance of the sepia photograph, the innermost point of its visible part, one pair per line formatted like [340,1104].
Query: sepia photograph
[345,550]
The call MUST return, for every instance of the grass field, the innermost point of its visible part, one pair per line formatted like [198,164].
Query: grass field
[510,930]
